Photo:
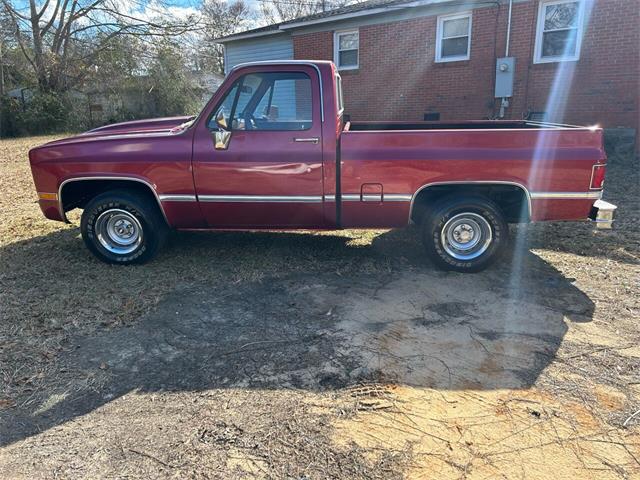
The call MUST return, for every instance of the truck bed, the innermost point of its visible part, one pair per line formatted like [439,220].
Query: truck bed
[551,163]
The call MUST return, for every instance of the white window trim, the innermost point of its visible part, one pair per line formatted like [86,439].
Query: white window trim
[440,31]
[336,49]
[537,55]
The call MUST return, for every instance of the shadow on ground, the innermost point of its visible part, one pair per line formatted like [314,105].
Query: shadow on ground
[314,328]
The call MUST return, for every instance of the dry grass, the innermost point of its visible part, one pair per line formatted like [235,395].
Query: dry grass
[55,297]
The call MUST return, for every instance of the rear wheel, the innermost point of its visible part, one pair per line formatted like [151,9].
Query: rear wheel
[123,227]
[464,234]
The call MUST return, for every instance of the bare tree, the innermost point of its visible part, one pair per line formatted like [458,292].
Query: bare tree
[219,18]
[5,34]
[276,11]
[61,38]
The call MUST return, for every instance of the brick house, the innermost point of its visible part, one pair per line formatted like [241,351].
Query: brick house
[565,61]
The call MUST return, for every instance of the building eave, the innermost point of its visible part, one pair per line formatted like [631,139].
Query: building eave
[243,36]
[346,16]
[286,27]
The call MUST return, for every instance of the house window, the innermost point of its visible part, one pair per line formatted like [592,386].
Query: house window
[559,31]
[346,49]
[453,37]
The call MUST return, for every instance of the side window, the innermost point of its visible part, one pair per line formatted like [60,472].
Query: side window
[339,98]
[289,105]
[268,101]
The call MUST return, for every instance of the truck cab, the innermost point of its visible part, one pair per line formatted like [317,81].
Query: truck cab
[271,131]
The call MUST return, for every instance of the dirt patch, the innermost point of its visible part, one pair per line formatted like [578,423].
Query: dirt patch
[494,434]
[306,355]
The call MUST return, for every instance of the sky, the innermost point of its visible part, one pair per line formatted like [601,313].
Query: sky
[179,8]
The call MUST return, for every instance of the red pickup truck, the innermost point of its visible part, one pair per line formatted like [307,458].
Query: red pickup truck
[272,150]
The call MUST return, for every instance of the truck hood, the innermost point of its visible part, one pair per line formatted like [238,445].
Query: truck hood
[158,125]
[134,129]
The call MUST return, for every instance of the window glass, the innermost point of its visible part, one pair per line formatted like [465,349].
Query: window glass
[263,105]
[248,88]
[268,101]
[454,47]
[347,49]
[560,29]
[348,58]
[225,107]
[349,41]
[339,99]
[564,15]
[453,38]
[458,27]
[560,43]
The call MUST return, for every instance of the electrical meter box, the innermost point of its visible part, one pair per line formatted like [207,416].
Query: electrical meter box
[505,72]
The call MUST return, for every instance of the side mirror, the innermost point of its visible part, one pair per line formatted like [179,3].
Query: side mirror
[221,121]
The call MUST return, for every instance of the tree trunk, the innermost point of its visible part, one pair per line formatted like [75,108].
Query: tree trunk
[38,54]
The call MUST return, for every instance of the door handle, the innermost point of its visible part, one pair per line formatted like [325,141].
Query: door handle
[313,140]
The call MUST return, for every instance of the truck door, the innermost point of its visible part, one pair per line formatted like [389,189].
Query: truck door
[265,168]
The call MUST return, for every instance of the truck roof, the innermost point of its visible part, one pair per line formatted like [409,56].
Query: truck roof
[315,63]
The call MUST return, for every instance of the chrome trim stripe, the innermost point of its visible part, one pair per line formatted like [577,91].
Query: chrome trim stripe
[329,198]
[566,195]
[477,182]
[178,198]
[261,198]
[397,197]
[288,62]
[128,179]
[372,197]
[350,197]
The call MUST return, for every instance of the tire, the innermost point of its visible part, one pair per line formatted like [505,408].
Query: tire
[123,227]
[464,234]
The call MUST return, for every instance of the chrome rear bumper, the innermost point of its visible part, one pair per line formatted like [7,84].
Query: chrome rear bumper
[603,214]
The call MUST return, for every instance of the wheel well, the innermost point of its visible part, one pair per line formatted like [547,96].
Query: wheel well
[513,200]
[76,194]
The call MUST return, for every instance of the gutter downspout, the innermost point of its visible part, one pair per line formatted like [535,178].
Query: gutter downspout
[504,103]
[506,50]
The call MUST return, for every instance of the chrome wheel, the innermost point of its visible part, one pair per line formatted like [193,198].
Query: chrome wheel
[466,236]
[118,231]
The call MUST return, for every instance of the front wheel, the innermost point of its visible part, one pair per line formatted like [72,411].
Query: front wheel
[123,227]
[464,234]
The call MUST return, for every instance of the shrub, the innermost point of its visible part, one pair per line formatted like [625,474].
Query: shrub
[45,113]
[10,109]
[39,113]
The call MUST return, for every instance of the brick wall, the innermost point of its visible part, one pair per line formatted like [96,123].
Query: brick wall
[398,78]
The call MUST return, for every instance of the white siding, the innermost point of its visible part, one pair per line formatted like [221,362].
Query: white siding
[272,47]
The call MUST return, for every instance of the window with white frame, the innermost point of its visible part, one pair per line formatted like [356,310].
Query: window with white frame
[559,31]
[346,46]
[453,37]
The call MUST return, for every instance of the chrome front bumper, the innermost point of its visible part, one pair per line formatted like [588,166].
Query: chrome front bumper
[603,214]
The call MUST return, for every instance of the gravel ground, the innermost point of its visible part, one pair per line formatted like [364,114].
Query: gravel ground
[318,355]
